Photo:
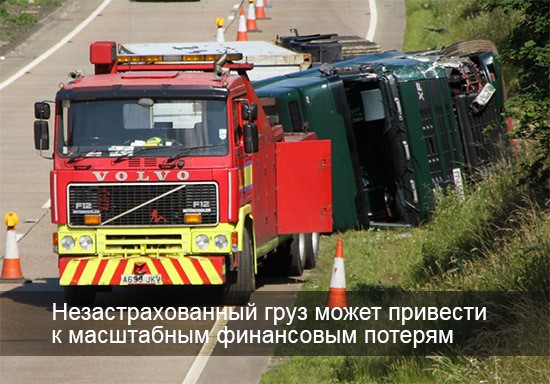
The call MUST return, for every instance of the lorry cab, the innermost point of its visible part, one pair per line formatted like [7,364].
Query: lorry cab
[166,171]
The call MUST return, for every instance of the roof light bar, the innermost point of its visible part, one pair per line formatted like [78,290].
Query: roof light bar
[122,59]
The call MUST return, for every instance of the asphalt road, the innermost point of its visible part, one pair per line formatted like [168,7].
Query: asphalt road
[32,72]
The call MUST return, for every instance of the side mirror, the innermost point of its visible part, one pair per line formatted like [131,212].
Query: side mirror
[251,142]
[41,135]
[250,111]
[41,110]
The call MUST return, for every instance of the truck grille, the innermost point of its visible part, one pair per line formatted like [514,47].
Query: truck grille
[142,205]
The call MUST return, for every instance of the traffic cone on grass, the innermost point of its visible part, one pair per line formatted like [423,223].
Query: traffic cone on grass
[251,25]
[337,296]
[242,34]
[11,268]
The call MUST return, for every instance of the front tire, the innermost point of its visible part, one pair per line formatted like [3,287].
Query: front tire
[239,292]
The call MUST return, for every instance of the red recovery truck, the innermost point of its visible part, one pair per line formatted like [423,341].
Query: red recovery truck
[166,171]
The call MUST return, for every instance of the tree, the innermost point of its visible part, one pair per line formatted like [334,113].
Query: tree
[527,51]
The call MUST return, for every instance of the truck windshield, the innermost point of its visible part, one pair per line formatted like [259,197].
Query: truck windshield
[112,128]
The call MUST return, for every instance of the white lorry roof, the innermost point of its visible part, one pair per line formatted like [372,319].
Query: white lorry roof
[268,59]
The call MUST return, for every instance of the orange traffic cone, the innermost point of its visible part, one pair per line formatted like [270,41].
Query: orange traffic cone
[242,34]
[260,12]
[11,268]
[251,25]
[337,296]
[220,38]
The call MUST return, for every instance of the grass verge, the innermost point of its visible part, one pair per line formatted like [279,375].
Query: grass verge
[17,17]
[433,24]
[497,239]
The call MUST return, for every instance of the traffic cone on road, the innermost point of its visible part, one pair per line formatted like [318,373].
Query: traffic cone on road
[242,34]
[251,25]
[260,12]
[220,38]
[337,296]
[11,268]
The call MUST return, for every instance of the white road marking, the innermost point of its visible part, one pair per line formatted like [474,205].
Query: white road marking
[206,351]
[47,204]
[373,20]
[50,51]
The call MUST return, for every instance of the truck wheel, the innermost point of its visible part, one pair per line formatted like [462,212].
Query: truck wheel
[407,213]
[297,254]
[239,292]
[79,296]
[312,249]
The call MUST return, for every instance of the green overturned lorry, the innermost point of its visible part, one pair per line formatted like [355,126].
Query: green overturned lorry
[401,125]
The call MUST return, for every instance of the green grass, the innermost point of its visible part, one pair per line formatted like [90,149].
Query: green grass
[497,239]
[433,24]
[369,262]
[19,16]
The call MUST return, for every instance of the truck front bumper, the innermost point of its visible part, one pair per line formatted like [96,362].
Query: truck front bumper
[150,270]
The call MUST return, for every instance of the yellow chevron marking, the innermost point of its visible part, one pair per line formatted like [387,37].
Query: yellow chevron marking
[171,271]
[89,272]
[109,272]
[210,271]
[69,272]
[129,267]
[92,266]
[152,268]
[190,271]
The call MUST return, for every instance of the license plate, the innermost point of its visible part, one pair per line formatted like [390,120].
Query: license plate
[141,279]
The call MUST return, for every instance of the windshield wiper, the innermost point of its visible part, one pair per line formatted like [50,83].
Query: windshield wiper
[127,155]
[187,151]
[82,155]
[75,158]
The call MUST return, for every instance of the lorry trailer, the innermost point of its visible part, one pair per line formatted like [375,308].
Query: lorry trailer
[401,126]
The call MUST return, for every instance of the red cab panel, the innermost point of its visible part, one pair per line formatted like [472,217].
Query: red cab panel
[304,188]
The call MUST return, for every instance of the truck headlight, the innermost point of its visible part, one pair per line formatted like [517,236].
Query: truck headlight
[220,241]
[86,242]
[67,243]
[202,241]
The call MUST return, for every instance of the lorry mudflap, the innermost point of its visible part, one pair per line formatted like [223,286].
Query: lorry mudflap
[161,270]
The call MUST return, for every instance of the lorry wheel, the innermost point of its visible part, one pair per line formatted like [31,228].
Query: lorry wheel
[312,249]
[407,214]
[79,296]
[239,292]
[297,254]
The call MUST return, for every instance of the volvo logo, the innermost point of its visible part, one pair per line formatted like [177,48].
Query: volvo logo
[140,175]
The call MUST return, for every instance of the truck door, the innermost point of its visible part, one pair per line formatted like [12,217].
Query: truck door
[257,183]
[304,209]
